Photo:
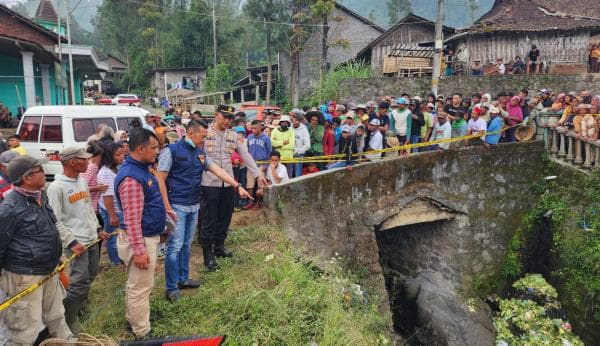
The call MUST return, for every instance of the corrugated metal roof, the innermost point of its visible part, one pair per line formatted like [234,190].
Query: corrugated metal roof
[406,50]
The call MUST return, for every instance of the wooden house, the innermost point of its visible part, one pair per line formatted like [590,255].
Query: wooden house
[562,31]
[405,36]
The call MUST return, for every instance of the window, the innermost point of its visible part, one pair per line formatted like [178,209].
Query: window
[124,124]
[30,129]
[84,128]
[52,129]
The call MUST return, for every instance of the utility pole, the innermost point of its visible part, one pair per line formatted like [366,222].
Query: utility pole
[214,22]
[439,41]
[71,79]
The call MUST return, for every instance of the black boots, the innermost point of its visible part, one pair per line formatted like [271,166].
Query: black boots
[71,315]
[210,261]
[220,250]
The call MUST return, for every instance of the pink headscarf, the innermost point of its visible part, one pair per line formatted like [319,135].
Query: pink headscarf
[515,113]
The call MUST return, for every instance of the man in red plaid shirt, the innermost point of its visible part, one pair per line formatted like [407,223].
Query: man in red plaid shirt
[144,216]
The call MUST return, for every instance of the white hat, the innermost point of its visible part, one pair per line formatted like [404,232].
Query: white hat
[285,118]
[494,109]
[375,122]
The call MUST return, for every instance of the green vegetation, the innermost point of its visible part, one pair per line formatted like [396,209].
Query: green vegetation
[329,85]
[538,284]
[532,325]
[575,204]
[524,322]
[264,295]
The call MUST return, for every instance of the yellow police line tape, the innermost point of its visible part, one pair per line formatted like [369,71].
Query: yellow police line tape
[341,157]
[38,284]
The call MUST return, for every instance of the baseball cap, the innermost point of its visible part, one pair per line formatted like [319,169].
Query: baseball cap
[384,105]
[402,101]
[240,129]
[8,156]
[20,165]
[74,152]
[349,116]
[477,110]
[430,105]
[375,122]
[226,110]
[347,128]
[352,106]
[371,104]
[361,106]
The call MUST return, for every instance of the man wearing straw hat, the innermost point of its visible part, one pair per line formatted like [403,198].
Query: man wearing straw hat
[30,249]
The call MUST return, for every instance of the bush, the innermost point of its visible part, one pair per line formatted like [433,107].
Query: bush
[329,84]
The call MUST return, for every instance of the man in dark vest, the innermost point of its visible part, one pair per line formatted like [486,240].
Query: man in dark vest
[180,169]
[144,216]
[217,195]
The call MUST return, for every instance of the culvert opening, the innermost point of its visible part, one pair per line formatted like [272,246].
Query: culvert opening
[409,254]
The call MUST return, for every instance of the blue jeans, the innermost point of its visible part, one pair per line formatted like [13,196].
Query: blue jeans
[414,139]
[298,166]
[111,243]
[177,260]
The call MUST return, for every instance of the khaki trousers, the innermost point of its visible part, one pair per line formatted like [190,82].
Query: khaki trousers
[42,306]
[139,283]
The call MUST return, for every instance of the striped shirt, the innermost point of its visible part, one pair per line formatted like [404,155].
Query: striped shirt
[91,177]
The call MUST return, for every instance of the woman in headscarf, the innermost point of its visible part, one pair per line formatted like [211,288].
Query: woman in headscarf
[596,100]
[514,117]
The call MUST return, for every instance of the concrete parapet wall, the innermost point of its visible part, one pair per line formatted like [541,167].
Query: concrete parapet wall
[340,211]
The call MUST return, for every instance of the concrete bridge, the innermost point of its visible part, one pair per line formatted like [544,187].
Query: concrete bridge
[566,147]
[424,227]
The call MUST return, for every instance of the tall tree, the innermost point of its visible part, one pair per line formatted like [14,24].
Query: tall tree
[299,34]
[398,9]
[268,11]
[323,9]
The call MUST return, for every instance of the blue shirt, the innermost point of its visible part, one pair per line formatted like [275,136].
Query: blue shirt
[259,147]
[495,125]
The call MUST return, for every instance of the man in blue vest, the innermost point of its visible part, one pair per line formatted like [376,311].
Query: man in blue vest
[144,217]
[180,169]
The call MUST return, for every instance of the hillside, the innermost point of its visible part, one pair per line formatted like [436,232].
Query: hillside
[458,13]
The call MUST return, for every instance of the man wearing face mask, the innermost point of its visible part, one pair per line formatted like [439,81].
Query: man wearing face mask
[179,176]
[283,139]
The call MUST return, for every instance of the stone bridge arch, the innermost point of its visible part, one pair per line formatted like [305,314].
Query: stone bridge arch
[475,197]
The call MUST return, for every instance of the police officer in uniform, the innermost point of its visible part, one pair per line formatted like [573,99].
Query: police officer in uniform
[217,196]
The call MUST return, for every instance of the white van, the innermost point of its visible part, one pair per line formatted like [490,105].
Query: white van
[46,130]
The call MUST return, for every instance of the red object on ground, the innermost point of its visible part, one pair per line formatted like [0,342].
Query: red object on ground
[214,341]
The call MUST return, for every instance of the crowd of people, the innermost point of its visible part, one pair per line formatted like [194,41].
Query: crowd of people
[156,184]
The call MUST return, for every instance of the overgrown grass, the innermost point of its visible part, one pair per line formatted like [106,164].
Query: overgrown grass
[330,82]
[264,295]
